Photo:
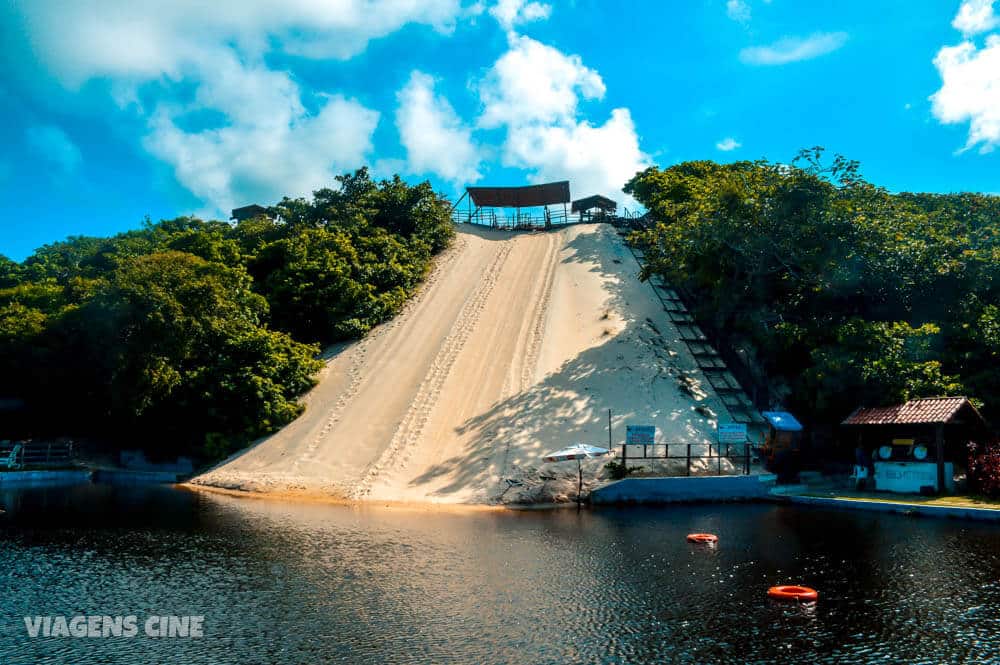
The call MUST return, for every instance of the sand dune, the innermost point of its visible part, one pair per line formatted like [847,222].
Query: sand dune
[517,344]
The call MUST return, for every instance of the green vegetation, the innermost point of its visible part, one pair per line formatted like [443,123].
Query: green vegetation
[619,470]
[837,291]
[189,336]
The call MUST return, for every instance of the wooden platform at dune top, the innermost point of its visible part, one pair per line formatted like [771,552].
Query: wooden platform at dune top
[531,207]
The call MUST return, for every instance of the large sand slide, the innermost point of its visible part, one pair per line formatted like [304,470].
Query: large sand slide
[517,344]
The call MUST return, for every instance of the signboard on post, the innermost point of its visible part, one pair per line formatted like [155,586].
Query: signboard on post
[640,435]
[732,432]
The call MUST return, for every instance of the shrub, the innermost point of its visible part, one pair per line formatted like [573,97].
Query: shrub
[984,468]
[619,470]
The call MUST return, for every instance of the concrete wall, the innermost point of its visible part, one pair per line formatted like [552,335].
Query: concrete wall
[127,477]
[669,490]
[953,512]
[26,478]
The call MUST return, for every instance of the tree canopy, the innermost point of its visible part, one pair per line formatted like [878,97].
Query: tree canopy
[192,336]
[839,291]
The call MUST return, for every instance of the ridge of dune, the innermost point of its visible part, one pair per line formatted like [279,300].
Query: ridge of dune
[516,344]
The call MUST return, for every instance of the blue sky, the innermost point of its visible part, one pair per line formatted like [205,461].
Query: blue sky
[114,110]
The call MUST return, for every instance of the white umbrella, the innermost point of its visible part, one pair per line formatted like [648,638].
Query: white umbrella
[578,452]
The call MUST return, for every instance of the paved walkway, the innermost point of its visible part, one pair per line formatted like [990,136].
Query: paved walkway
[956,507]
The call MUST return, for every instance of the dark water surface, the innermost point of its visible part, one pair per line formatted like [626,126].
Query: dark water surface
[287,583]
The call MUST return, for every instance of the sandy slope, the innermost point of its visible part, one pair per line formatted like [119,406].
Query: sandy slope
[518,344]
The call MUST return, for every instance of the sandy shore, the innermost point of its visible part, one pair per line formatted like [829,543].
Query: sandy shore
[518,344]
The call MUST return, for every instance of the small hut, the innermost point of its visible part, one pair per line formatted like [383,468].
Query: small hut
[249,212]
[594,207]
[917,444]
[533,206]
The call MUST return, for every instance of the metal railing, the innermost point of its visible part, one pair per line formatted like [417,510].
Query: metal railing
[514,219]
[523,220]
[757,388]
[732,452]
[35,454]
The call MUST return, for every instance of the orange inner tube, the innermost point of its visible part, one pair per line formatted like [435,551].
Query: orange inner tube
[702,538]
[793,592]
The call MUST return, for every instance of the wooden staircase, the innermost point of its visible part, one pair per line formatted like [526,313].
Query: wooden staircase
[722,381]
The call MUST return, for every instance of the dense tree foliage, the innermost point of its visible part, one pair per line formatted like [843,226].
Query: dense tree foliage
[197,336]
[838,291]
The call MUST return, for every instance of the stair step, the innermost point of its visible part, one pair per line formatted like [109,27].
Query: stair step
[723,380]
[702,349]
[690,332]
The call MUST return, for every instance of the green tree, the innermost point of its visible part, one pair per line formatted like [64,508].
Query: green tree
[188,335]
[839,291]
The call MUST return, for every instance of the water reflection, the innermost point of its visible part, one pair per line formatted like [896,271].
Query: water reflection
[314,583]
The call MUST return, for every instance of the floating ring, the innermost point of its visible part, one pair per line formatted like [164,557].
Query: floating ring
[702,538]
[803,594]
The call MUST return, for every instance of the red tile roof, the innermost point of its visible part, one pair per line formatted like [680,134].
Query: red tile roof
[927,410]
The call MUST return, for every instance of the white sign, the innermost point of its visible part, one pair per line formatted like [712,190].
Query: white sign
[909,477]
[732,432]
[640,435]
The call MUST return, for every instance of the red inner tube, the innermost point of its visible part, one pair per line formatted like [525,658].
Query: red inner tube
[702,538]
[793,592]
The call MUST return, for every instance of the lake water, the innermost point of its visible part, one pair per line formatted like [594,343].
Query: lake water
[289,583]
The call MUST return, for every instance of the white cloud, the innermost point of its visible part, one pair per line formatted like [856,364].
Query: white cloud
[260,159]
[268,144]
[511,13]
[435,138]
[738,10]
[970,78]
[533,92]
[533,82]
[970,90]
[124,38]
[185,57]
[52,144]
[728,144]
[794,49]
[976,16]
[595,159]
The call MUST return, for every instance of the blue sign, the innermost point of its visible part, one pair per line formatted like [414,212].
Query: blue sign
[732,432]
[640,435]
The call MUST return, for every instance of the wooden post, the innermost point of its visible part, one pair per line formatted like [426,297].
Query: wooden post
[460,200]
[689,460]
[579,486]
[624,445]
[746,465]
[718,452]
[939,445]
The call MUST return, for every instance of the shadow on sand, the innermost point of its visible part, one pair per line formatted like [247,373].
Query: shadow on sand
[634,372]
